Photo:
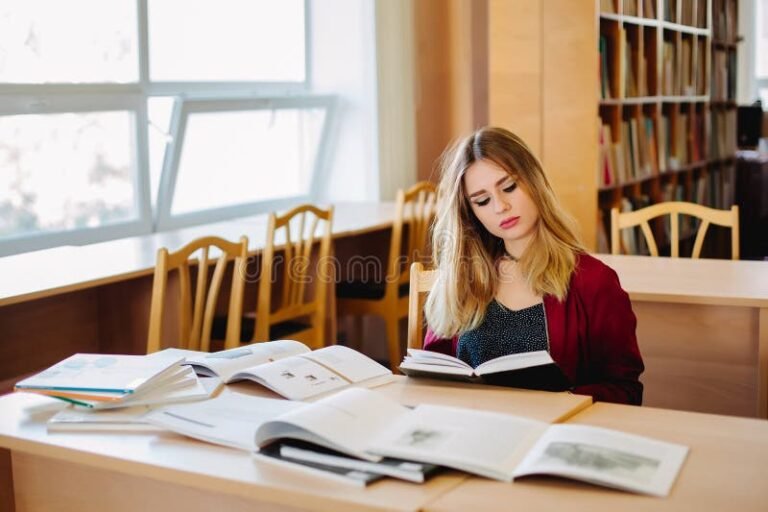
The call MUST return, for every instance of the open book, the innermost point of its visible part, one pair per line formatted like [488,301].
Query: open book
[368,426]
[530,370]
[290,368]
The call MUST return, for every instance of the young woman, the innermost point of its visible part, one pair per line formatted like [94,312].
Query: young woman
[513,277]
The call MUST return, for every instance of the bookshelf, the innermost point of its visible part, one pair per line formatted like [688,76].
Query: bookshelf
[667,110]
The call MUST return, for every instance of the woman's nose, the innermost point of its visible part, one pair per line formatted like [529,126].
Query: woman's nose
[502,205]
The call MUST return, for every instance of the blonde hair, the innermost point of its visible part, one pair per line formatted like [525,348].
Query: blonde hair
[465,253]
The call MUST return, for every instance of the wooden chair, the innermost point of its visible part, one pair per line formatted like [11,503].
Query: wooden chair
[197,307]
[414,213]
[421,282]
[728,218]
[297,311]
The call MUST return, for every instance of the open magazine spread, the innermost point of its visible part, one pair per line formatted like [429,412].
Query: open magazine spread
[529,370]
[368,426]
[289,368]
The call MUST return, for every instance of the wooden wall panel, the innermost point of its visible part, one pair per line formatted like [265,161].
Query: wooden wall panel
[452,75]
[569,83]
[515,69]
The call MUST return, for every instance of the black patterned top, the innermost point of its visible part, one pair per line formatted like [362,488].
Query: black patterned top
[504,331]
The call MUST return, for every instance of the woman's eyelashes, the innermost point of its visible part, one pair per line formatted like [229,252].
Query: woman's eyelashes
[509,188]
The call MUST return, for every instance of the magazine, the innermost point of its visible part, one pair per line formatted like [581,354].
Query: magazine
[529,370]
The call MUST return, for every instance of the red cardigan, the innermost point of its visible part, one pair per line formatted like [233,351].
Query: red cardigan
[591,335]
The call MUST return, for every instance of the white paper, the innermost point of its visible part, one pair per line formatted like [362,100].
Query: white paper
[349,363]
[231,419]
[480,442]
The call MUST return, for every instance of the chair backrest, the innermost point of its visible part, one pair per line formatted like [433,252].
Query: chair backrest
[302,229]
[197,307]
[421,281]
[415,211]
[707,215]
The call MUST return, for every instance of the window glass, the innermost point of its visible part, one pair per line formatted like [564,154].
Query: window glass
[246,156]
[65,171]
[226,40]
[73,41]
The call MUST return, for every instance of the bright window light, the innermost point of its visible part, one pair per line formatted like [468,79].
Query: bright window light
[226,40]
[66,171]
[240,157]
[73,41]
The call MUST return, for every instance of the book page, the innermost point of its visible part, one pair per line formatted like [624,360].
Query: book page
[345,421]
[515,362]
[226,363]
[606,457]
[296,378]
[349,363]
[484,443]
[429,357]
[231,419]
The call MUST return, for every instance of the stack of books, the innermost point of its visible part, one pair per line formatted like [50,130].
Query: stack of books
[104,381]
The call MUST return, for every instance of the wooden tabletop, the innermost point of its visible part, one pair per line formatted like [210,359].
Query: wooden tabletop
[167,457]
[173,458]
[725,468]
[38,274]
[685,280]
[538,405]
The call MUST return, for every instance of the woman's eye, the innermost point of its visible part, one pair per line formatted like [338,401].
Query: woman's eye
[483,202]
[510,188]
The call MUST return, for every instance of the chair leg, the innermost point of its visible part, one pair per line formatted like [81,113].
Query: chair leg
[393,342]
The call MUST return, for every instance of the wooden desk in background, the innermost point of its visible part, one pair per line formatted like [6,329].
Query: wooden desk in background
[702,324]
[725,468]
[164,471]
[95,298]
[702,327]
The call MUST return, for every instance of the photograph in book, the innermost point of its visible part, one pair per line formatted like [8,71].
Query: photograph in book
[290,369]
[528,370]
[101,373]
[606,457]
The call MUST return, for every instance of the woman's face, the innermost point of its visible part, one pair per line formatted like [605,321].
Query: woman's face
[503,207]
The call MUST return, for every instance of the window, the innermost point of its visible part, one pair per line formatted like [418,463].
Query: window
[135,115]
[761,51]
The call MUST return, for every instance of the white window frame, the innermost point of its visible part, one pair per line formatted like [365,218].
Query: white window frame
[19,98]
[183,108]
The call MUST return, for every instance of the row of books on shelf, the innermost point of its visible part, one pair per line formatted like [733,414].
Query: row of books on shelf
[723,75]
[690,58]
[645,148]
[725,20]
[683,69]
[347,433]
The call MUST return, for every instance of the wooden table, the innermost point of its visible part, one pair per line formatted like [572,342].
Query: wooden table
[703,331]
[164,471]
[725,469]
[95,298]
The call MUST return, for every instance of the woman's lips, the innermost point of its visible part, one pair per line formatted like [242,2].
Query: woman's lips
[509,222]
